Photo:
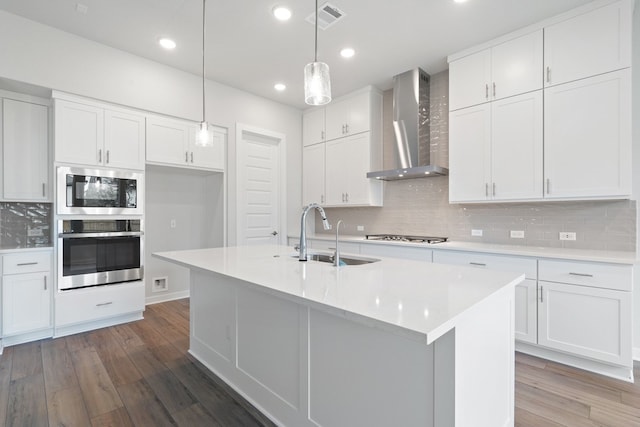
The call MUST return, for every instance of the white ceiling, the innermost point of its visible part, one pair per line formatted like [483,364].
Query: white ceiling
[248,49]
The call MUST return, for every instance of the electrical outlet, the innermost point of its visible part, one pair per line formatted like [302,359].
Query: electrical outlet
[476,233]
[567,235]
[360,227]
[160,284]
[517,234]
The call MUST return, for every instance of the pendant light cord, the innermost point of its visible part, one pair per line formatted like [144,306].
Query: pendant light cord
[203,51]
[316,40]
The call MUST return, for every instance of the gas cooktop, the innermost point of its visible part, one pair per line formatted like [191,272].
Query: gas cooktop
[404,238]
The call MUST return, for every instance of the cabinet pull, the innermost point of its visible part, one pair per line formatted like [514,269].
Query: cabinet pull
[581,274]
[494,189]
[44,185]
[100,156]
[346,128]
[192,157]
[45,283]
[486,91]
[494,89]
[346,197]
[548,74]
[541,293]
[343,197]
[548,186]
[186,157]
[478,264]
[322,135]
[22,264]
[107,156]
[486,189]
[321,198]
[102,304]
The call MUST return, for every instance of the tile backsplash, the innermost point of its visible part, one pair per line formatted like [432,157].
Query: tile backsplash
[421,206]
[25,225]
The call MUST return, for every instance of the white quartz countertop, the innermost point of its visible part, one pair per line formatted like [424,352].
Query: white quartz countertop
[616,257]
[419,299]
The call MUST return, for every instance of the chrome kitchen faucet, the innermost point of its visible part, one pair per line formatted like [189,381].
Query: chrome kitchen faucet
[303,227]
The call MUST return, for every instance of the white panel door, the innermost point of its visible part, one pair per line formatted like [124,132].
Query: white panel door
[260,176]
[593,43]
[516,147]
[470,154]
[313,174]
[587,137]
[124,140]
[25,169]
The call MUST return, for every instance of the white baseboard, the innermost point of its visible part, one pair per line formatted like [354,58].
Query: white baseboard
[155,299]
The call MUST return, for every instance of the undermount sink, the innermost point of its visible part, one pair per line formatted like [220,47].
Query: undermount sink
[344,260]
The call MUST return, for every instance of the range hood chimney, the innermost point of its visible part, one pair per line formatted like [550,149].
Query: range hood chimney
[411,129]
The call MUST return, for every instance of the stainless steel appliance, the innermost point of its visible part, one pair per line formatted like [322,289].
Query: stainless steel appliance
[99,192]
[99,252]
[405,238]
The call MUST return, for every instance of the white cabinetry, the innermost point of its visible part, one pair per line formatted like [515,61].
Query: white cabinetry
[587,137]
[353,147]
[591,43]
[496,150]
[96,135]
[172,142]
[25,149]
[509,68]
[581,310]
[26,295]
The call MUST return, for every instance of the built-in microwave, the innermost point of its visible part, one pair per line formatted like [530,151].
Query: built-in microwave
[99,192]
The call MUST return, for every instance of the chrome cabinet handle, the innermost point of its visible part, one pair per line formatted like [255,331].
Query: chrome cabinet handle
[100,156]
[548,186]
[322,135]
[581,274]
[486,189]
[346,127]
[22,264]
[192,157]
[186,157]
[548,74]
[107,156]
[322,198]
[479,264]
[486,91]
[494,189]
[102,304]
[494,89]
[541,293]
[45,283]
[44,185]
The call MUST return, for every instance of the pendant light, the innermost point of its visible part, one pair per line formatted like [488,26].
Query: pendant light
[317,84]
[203,137]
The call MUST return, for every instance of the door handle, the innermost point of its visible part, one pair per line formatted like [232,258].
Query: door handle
[274,233]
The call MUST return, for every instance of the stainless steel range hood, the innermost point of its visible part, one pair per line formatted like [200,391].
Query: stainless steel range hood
[411,129]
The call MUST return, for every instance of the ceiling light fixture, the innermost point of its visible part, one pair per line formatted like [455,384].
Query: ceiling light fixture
[347,52]
[203,138]
[279,87]
[167,43]
[317,84]
[281,13]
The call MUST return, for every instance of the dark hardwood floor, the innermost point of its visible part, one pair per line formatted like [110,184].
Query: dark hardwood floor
[139,374]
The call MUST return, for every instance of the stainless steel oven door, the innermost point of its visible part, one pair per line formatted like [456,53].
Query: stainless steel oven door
[99,192]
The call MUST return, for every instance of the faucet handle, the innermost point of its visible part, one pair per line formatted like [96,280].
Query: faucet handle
[297,248]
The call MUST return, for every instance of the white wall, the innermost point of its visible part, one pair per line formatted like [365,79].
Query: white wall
[635,119]
[39,55]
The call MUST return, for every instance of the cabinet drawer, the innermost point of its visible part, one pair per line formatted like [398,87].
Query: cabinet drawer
[28,262]
[598,275]
[489,261]
[84,305]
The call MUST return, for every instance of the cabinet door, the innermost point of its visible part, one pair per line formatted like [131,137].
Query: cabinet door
[358,110]
[124,140]
[517,66]
[470,154]
[336,116]
[592,43]
[526,311]
[355,149]
[167,141]
[469,79]
[313,174]
[79,133]
[590,322]
[212,157]
[587,137]
[336,171]
[516,147]
[26,302]
[313,126]
[25,151]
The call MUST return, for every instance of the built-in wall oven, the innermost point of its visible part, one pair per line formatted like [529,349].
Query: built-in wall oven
[99,252]
[99,192]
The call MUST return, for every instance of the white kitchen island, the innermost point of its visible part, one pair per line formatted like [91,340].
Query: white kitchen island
[391,343]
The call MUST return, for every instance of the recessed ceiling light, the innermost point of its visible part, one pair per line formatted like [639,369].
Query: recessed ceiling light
[347,52]
[279,87]
[281,13]
[167,43]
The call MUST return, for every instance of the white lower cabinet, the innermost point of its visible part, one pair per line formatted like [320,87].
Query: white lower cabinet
[26,295]
[526,311]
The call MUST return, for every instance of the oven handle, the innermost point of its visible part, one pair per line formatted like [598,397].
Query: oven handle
[107,234]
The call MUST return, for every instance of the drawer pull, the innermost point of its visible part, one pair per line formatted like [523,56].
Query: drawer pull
[479,264]
[22,264]
[45,283]
[102,304]
[541,293]
[581,274]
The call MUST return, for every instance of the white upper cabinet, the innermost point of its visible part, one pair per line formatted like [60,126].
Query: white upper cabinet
[350,115]
[313,175]
[25,150]
[507,69]
[588,44]
[92,135]
[313,126]
[588,137]
[172,142]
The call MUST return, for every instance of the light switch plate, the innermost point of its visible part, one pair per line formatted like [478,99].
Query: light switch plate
[476,233]
[517,234]
[567,235]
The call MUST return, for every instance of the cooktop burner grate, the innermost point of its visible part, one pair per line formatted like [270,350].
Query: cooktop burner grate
[404,238]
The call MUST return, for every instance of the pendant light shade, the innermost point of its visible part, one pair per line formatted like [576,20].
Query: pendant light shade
[203,136]
[317,83]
